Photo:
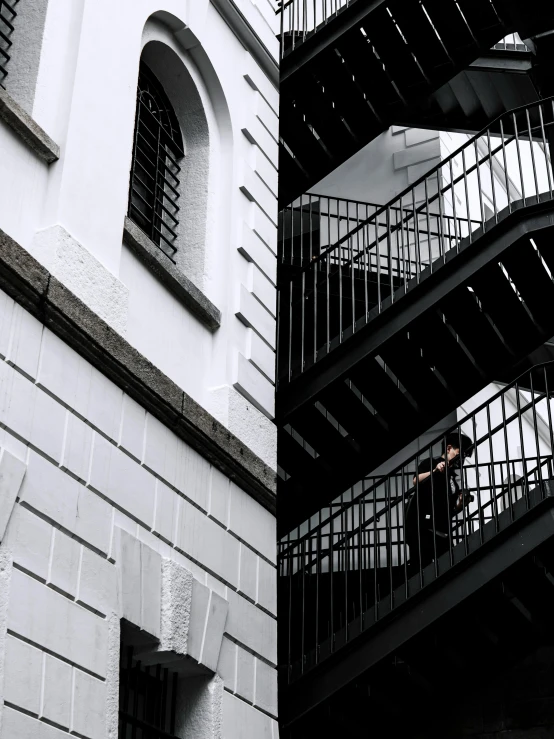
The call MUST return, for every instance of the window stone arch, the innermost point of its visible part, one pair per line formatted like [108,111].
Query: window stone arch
[167,66]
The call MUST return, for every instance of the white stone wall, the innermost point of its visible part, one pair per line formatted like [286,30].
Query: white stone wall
[100,470]
[80,87]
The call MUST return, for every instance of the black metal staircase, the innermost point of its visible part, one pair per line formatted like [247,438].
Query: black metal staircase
[390,318]
[352,68]
[367,624]
[413,310]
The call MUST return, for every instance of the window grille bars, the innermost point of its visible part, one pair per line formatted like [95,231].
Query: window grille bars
[7,17]
[158,147]
[335,291]
[147,699]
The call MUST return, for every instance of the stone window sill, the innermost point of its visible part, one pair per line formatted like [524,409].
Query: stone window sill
[171,276]
[27,129]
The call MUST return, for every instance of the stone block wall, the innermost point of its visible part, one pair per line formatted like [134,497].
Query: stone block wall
[100,498]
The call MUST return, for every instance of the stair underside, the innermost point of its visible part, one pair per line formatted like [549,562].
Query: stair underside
[426,353]
[368,69]
[506,561]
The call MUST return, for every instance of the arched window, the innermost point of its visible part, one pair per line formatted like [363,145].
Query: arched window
[157,150]
[7,18]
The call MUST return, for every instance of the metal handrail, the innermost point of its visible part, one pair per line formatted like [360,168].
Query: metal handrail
[300,19]
[412,462]
[372,555]
[404,241]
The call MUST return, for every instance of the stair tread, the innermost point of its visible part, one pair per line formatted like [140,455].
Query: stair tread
[505,309]
[475,330]
[352,414]
[443,349]
[531,279]
[380,390]
[414,372]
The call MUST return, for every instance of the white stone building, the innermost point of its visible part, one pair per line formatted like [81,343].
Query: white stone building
[137,339]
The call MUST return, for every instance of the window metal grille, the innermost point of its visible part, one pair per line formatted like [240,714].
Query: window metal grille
[7,18]
[147,699]
[158,147]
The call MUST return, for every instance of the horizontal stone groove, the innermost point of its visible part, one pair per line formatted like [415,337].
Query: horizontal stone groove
[36,290]
[54,654]
[78,539]
[252,705]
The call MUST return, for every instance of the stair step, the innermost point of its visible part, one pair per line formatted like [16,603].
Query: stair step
[346,94]
[326,120]
[324,437]
[304,145]
[353,415]
[472,325]
[482,17]
[451,28]
[535,286]
[292,454]
[444,351]
[395,54]
[403,355]
[422,38]
[357,51]
[381,391]
[505,309]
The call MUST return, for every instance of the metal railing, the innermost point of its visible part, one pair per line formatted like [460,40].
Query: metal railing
[7,18]
[339,289]
[300,18]
[313,223]
[158,148]
[345,571]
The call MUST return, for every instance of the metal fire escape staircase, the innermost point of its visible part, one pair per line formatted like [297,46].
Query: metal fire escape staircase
[357,650]
[391,317]
[411,312]
[352,68]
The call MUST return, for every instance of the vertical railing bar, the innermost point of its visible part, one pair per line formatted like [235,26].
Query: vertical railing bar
[536,430]
[506,175]
[375,554]
[468,209]
[433,519]
[507,451]
[442,250]
[491,457]
[493,186]
[546,150]
[521,438]
[519,159]
[532,150]
[428,215]
[453,190]
[479,185]
[389,255]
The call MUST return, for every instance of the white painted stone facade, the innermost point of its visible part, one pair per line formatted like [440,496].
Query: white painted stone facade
[108,517]
[70,214]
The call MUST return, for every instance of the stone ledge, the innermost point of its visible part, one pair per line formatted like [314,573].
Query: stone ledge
[171,276]
[31,285]
[27,129]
